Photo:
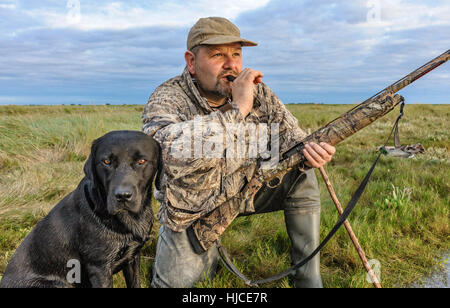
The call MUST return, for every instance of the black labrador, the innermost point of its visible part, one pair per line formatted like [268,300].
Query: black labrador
[98,229]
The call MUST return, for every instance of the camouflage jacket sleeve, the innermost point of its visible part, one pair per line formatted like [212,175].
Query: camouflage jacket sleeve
[198,177]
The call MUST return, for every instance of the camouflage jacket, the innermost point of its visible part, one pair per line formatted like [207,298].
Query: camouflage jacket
[209,155]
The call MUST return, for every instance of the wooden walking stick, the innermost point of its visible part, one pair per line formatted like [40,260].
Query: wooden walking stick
[361,253]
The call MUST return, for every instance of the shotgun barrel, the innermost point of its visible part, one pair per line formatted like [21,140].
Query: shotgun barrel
[368,111]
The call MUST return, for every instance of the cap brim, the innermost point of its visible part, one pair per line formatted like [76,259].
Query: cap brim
[228,40]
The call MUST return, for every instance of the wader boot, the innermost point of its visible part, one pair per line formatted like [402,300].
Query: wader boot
[302,217]
[303,230]
[298,195]
[177,265]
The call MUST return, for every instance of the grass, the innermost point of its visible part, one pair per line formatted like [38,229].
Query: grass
[402,220]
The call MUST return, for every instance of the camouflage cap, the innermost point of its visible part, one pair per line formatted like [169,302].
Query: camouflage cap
[215,31]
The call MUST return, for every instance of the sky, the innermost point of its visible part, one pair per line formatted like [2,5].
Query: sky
[322,51]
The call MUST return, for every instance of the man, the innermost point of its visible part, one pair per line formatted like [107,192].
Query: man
[200,108]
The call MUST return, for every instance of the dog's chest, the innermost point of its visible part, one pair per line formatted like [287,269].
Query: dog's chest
[124,254]
[111,249]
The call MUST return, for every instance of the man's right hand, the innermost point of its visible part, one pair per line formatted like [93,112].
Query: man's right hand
[243,87]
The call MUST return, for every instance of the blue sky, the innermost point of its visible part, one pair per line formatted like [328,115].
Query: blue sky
[96,52]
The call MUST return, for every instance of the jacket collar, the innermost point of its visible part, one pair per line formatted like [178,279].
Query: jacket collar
[192,91]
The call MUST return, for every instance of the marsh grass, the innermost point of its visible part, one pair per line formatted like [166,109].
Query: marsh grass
[402,219]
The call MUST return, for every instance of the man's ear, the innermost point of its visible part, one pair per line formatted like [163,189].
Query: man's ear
[190,61]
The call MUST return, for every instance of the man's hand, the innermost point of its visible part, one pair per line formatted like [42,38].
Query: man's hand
[318,155]
[242,89]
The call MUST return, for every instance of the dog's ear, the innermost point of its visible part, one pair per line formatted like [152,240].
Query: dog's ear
[89,166]
[93,186]
[159,172]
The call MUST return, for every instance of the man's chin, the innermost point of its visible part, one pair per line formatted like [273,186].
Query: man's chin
[223,91]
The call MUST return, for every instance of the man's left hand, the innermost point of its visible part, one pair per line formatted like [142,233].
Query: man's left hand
[318,155]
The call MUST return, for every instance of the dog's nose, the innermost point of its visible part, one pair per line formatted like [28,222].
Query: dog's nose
[123,195]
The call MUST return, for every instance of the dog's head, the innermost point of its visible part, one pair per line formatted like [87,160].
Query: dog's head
[121,169]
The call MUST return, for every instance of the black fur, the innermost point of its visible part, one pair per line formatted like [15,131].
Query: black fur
[102,224]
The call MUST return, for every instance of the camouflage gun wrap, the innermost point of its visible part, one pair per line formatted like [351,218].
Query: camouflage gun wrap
[208,229]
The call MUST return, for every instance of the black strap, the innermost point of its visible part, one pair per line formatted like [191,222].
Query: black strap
[229,264]
[348,209]
[397,143]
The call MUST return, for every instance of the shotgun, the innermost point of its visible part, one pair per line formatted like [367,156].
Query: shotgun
[208,229]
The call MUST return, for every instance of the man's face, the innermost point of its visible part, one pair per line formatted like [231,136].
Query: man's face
[212,64]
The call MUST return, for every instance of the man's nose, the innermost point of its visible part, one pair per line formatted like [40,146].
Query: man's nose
[230,63]
[123,194]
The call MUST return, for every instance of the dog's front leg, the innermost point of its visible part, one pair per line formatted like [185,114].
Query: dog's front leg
[99,277]
[131,272]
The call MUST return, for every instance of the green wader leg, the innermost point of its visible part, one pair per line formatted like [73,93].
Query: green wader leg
[298,195]
[302,217]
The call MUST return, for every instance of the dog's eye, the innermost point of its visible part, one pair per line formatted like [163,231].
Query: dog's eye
[107,162]
[142,161]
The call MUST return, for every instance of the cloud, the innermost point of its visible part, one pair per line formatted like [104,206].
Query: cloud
[321,50]
[122,15]
[7,6]
[332,47]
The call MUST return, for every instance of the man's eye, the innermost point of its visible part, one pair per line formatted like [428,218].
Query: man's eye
[107,162]
[142,162]
[217,55]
